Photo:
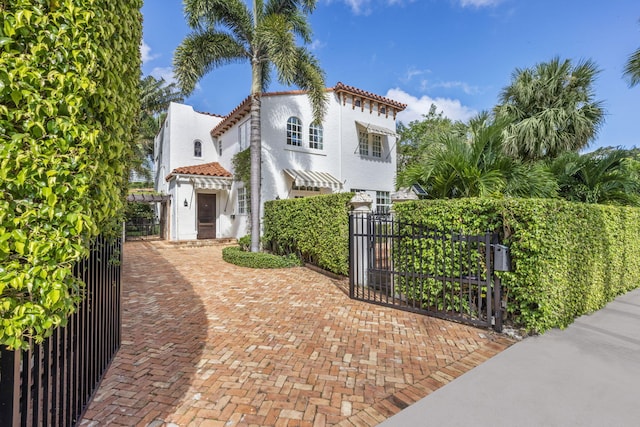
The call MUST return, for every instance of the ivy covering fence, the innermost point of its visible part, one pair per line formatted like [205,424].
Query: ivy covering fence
[568,258]
[314,228]
[69,72]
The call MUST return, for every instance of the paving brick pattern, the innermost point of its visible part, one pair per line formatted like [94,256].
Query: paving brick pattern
[206,343]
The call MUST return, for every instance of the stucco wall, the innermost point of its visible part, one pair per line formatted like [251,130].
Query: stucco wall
[339,157]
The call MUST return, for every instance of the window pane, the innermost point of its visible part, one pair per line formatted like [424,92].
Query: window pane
[383,201]
[242,201]
[243,135]
[315,136]
[294,131]
[363,139]
[376,146]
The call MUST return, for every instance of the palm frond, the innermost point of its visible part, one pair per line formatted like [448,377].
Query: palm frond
[632,68]
[552,109]
[200,52]
[207,15]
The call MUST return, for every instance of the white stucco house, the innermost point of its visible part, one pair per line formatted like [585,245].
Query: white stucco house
[354,149]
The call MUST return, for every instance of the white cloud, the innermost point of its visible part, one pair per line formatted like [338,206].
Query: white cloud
[363,7]
[413,72]
[316,45]
[418,107]
[165,73]
[145,52]
[359,6]
[466,88]
[479,3]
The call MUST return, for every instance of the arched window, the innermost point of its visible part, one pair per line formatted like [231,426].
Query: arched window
[315,136]
[197,148]
[294,131]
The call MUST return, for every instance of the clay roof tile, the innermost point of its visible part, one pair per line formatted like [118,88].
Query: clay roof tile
[206,169]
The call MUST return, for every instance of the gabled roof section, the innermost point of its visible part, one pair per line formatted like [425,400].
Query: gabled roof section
[205,169]
[244,108]
[341,87]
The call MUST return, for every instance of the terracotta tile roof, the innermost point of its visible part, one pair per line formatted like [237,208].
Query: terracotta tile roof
[206,169]
[210,114]
[244,108]
[341,87]
[234,117]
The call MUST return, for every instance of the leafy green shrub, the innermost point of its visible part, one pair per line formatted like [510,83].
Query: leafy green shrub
[245,242]
[568,258]
[236,255]
[139,210]
[316,228]
[68,101]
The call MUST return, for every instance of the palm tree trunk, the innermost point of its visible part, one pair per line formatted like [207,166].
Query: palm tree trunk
[256,154]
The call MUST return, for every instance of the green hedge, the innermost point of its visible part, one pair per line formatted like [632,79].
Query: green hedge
[316,228]
[568,258]
[68,100]
[236,255]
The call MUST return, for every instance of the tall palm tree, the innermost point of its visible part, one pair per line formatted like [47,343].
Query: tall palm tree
[551,108]
[227,31]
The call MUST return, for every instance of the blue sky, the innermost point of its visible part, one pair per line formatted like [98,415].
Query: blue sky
[458,54]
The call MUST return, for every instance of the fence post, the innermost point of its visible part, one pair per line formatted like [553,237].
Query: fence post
[10,386]
[359,254]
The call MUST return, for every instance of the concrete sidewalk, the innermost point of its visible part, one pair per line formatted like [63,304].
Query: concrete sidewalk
[585,375]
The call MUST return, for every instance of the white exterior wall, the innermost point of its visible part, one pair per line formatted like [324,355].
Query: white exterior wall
[339,157]
[173,148]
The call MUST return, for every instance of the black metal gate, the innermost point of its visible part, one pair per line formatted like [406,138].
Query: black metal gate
[444,274]
[52,383]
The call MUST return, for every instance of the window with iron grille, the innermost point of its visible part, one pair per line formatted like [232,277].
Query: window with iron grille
[294,132]
[315,136]
[197,148]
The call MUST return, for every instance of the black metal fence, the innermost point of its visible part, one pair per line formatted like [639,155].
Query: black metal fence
[139,227]
[52,384]
[443,274]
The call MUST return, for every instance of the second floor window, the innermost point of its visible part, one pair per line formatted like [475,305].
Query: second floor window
[376,145]
[363,143]
[294,132]
[244,131]
[315,136]
[197,148]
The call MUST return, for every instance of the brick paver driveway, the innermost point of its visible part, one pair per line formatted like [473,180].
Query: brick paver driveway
[206,343]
